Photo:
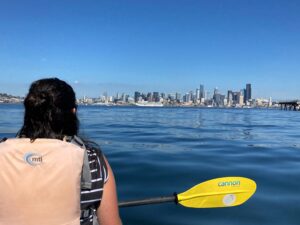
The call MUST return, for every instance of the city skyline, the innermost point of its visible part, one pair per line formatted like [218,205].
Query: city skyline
[197,98]
[166,46]
[200,90]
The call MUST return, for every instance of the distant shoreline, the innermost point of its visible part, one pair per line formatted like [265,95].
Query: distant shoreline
[164,106]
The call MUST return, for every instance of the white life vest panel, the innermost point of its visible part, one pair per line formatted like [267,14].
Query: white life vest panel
[40,182]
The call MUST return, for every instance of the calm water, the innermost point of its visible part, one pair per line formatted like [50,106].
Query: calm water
[157,151]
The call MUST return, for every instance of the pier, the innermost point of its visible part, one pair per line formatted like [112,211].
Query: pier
[290,105]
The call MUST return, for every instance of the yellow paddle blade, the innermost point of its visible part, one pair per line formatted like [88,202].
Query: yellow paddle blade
[219,192]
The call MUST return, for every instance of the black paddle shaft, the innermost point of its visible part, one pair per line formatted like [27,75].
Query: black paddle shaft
[149,201]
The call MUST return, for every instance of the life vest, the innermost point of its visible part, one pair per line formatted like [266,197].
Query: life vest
[50,182]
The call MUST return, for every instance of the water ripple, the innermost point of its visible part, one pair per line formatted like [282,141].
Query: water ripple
[156,151]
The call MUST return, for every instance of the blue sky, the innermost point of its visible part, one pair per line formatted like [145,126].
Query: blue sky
[159,45]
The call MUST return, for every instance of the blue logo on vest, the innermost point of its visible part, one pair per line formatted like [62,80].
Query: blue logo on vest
[33,159]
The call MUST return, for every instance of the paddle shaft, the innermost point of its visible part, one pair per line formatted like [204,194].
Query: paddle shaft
[148,201]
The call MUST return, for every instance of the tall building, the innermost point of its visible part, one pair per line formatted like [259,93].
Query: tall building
[149,97]
[123,97]
[229,97]
[171,96]
[178,97]
[202,95]
[137,95]
[198,94]
[216,96]
[155,97]
[248,93]
[216,91]
[187,97]
[190,96]
[143,96]
[235,97]
[241,98]
[219,99]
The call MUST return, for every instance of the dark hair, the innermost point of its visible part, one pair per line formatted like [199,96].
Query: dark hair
[49,110]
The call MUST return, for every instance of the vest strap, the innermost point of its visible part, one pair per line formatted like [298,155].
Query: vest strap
[86,177]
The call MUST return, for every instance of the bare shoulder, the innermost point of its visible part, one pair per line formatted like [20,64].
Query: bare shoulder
[108,211]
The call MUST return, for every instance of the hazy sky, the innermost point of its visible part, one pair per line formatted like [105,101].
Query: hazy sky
[159,45]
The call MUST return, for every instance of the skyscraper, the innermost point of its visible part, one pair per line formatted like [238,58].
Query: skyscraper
[198,94]
[241,97]
[155,97]
[149,97]
[229,97]
[201,91]
[137,95]
[248,93]
[178,97]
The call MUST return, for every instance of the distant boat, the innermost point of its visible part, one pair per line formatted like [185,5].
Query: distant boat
[149,104]
[103,104]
